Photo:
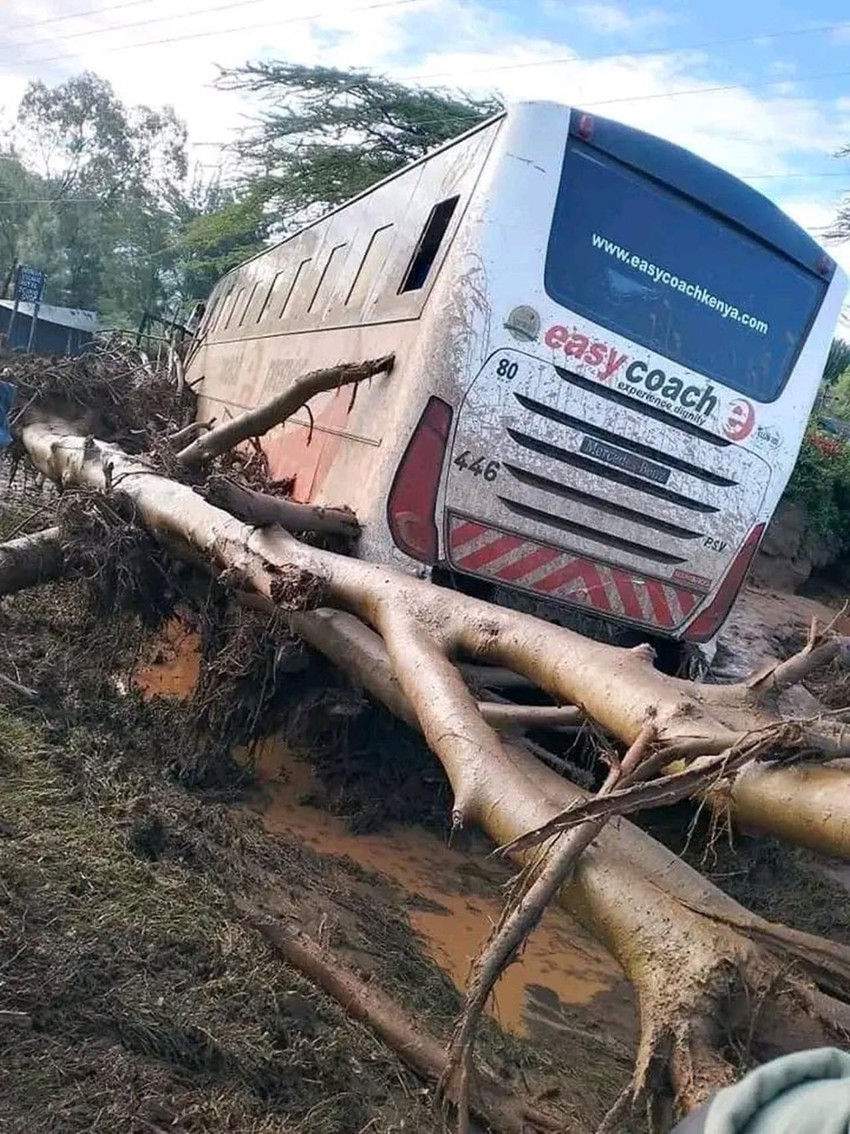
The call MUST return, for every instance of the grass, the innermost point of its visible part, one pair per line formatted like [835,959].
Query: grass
[145,993]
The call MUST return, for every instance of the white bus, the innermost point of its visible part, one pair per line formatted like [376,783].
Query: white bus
[606,353]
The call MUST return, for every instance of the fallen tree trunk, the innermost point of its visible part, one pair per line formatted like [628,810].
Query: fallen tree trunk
[698,972]
[29,560]
[698,960]
[256,422]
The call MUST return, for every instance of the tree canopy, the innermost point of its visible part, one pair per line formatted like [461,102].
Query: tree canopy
[100,196]
[323,135]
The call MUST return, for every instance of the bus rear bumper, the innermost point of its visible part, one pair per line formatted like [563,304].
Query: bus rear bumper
[510,559]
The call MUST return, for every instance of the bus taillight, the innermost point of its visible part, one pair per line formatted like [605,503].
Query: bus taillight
[413,496]
[706,624]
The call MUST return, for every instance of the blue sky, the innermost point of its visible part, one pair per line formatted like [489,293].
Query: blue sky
[778,124]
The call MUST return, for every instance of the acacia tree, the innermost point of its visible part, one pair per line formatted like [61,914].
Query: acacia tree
[323,134]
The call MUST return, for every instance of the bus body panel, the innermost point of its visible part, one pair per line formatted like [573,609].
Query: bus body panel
[331,294]
[582,467]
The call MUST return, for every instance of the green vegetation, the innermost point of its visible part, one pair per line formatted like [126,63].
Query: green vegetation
[101,196]
[821,483]
[324,135]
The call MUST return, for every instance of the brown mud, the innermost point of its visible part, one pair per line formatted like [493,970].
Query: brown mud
[453,897]
[134,996]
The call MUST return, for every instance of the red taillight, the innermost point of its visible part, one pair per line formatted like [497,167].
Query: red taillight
[706,624]
[413,496]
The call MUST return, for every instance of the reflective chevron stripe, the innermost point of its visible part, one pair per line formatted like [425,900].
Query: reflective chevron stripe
[504,557]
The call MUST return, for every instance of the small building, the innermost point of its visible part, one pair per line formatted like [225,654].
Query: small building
[58,330]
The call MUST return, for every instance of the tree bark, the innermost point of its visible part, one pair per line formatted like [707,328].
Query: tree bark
[29,560]
[256,422]
[262,510]
[519,718]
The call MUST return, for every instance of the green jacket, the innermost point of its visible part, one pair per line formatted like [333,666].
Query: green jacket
[804,1093]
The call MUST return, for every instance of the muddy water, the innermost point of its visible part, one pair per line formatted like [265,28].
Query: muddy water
[560,958]
[561,965]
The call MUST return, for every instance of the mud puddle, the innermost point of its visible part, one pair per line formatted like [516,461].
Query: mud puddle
[564,982]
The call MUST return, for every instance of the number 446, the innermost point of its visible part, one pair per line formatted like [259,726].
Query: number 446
[476,466]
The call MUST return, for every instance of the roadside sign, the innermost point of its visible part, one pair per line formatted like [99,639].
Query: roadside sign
[29,285]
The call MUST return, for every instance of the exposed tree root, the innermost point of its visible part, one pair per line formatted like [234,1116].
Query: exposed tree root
[260,509]
[256,422]
[504,1112]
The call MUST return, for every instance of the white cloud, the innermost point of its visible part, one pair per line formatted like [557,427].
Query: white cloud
[816,216]
[455,43]
[612,19]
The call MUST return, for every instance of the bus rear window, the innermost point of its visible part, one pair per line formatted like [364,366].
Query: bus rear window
[656,268]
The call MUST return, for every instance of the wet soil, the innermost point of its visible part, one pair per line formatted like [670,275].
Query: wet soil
[563,982]
[134,997]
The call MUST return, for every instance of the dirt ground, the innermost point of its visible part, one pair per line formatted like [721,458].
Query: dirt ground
[134,996]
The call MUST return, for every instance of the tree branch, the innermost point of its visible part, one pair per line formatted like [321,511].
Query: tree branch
[261,510]
[502,1111]
[518,718]
[821,647]
[29,560]
[256,422]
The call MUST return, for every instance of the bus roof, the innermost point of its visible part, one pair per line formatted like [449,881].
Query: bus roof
[705,183]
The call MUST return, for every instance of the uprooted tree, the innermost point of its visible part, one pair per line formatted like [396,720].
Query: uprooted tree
[709,975]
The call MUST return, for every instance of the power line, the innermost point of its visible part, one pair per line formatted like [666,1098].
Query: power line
[719,88]
[76,15]
[213,33]
[567,59]
[134,24]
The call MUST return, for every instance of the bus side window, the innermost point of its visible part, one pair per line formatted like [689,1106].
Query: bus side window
[369,271]
[296,279]
[265,304]
[233,307]
[429,245]
[209,317]
[324,288]
[221,306]
[247,306]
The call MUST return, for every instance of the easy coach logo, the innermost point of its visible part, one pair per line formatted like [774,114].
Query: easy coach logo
[653,385]
[594,353]
[739,421]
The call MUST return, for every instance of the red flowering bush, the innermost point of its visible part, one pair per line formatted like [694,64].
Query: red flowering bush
[821,483]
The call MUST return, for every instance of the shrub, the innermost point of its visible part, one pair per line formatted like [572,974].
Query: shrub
[821,483]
